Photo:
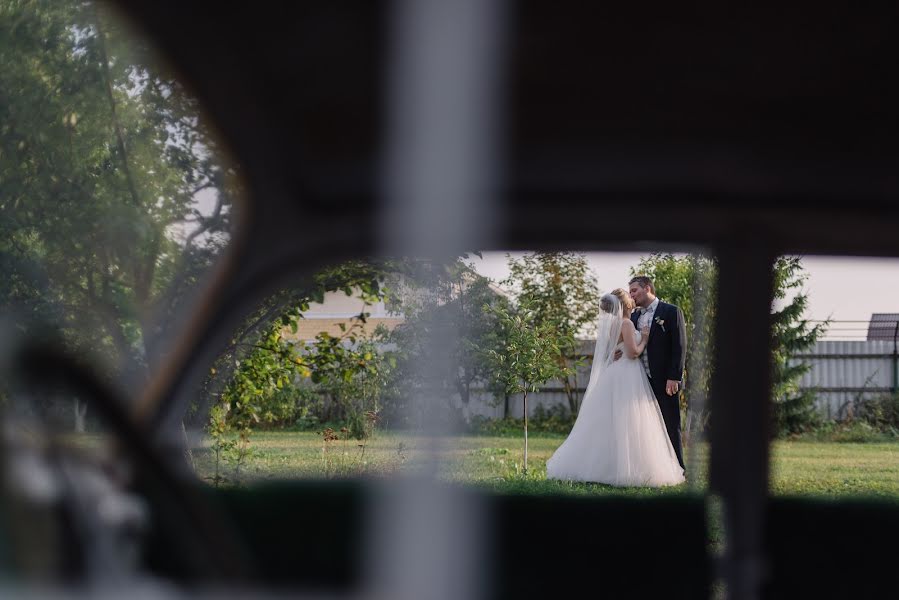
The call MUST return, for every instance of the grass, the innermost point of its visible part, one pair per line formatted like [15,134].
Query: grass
[495,463]
[836,469]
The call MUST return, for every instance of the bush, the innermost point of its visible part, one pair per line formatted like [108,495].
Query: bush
[555,419]
[871,419]
[881,412]
[847,432]
[796,415]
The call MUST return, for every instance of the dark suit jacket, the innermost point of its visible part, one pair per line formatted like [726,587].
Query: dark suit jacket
[667,347]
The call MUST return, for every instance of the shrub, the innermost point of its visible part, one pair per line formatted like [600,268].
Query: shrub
[796,414]
[880,412]
[555,419]
[846,432]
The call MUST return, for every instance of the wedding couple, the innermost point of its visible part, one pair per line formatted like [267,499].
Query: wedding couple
[627,432]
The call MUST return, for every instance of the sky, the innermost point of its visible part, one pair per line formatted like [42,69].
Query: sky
[840,288]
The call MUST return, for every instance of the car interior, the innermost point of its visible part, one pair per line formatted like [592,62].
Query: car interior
[428,128]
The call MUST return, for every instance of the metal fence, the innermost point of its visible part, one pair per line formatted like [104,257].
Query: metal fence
[552,394]
[843,371]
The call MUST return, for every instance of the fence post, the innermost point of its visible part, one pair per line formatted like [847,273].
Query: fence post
[896,358]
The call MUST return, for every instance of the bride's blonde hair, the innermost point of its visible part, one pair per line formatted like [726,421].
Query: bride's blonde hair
[626,301]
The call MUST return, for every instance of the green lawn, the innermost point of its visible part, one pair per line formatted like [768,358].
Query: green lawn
[799,467]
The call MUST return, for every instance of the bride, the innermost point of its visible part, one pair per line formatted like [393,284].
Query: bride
[619,436]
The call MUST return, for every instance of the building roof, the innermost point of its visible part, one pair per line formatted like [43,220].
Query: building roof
[883,326]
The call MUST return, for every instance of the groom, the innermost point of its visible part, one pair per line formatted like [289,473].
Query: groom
[665,352]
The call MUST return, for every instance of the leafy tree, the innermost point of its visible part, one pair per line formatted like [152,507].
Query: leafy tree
[354,373]
[240,408]
[260,339]
[113,197]
[247,382]
[457,306]
[469,294]
[259,367]
[562,294]
[690,283]
[528,357]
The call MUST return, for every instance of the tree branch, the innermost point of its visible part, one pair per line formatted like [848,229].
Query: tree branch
[117,126]
[207,224]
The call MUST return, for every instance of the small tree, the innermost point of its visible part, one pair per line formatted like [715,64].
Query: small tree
[528,357]
[354,373]
[242,405]
[562,293]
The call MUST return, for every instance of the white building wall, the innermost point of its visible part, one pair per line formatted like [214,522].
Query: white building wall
[338,305]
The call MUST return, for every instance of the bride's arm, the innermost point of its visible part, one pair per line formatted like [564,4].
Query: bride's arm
[629,336]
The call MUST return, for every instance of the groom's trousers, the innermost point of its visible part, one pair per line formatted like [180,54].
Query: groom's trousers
[670,406]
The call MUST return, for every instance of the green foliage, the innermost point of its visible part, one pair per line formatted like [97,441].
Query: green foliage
[253,392]
[561,293]
[880,412]
[851,431]
[354,374]
[219,431]
[863,419]
[690,283]
[257,381]
[262,380]
[686,281]
[794,410]
[259,338]
[104,160]
[553,420]
[528,357]
[454,302]
[265,388]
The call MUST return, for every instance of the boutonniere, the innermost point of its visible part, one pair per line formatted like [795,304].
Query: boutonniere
[660,323]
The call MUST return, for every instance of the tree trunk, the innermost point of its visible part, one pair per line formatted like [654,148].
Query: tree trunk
[525,402]
[188,452]
[80,410]
[570,390]
[505,405]
[571,394]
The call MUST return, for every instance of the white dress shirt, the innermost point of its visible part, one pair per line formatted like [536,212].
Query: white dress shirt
[647,315]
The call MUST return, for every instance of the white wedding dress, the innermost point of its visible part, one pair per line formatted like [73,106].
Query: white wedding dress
[619,436]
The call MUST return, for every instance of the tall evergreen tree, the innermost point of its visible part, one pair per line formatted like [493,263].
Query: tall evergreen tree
[792,333]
